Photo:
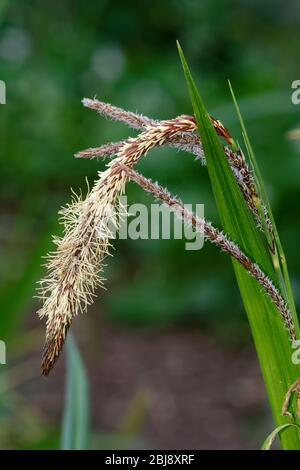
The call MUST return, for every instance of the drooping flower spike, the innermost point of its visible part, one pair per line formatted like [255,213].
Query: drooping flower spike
[74,270]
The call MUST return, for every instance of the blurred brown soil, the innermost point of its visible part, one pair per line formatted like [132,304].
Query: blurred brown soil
[200,394]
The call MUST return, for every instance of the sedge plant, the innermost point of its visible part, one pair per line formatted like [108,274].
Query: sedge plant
[248,235]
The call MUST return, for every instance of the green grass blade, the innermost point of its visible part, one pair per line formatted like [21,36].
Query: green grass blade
[272,436]
[240,224]
[75,427]
[271,338]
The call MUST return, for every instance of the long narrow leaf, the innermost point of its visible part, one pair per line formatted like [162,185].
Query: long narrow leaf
[76,413]
[271,338]
[269,441]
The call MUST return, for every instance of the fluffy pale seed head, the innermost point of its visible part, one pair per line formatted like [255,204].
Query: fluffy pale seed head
[74,270]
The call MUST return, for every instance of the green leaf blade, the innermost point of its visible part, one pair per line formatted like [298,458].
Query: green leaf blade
[272,436]
[270,336]
[75,427]
[286,284]
[233,210]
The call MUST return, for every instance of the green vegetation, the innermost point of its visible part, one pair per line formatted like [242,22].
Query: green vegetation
[124,53]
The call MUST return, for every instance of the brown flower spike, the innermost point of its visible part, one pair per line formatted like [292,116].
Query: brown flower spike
[74,269]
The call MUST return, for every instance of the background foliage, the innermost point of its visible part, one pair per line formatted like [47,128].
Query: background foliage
[125,53]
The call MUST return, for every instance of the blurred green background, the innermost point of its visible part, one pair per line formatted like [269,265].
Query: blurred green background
[171,327]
